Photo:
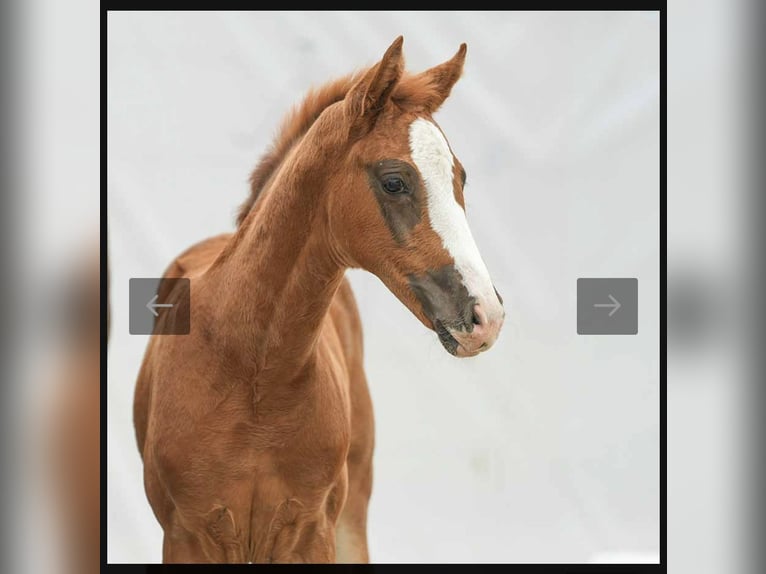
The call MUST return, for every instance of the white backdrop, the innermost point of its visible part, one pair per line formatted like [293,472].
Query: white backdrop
[546,448]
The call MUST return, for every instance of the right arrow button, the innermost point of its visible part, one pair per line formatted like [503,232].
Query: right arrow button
[599,299]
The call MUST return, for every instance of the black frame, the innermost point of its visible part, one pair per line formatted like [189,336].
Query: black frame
[586,5]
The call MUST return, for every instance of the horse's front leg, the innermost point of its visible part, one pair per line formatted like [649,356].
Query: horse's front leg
[213,540]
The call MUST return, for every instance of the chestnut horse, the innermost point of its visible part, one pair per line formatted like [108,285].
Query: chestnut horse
[256,429]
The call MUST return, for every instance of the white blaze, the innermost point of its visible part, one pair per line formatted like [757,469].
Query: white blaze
[435,161]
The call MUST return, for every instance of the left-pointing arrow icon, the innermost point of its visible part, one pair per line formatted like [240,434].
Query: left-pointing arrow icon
[615,304]
[152,306]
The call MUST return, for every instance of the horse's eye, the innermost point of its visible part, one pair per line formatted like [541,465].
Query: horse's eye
[394,184]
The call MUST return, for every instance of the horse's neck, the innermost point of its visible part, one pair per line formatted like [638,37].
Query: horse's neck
[276,279]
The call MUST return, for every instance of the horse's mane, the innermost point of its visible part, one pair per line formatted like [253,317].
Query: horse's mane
[411,91]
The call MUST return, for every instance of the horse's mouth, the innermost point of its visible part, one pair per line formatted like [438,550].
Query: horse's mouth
[445,338]
[451,344]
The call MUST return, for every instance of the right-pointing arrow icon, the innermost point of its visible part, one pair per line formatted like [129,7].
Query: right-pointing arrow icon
[615,305]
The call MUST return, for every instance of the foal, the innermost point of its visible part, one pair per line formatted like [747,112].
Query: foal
[256,429]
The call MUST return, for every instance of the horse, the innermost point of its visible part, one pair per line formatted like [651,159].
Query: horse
[256,429]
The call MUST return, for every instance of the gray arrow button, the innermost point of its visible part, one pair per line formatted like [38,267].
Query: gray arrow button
[598,301]
[159,306]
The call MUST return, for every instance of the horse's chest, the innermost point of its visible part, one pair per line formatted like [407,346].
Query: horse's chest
[306,445]
[306,426]
[260,456]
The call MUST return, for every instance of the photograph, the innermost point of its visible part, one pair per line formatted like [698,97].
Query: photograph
[383,287]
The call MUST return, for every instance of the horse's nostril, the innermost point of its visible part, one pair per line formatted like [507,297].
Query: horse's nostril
[476,319]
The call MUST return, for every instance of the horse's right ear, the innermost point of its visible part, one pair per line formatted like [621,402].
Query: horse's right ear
[366,99]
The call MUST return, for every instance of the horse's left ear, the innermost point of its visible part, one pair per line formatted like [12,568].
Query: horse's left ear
[366,99]
[441,78]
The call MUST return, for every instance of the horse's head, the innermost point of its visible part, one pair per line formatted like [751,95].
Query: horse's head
[398,208]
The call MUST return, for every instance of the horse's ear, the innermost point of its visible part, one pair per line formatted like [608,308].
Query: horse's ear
[441,78]
[366,99]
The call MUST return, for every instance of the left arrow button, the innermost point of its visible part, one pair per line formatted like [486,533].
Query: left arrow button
[168,303]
